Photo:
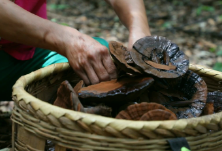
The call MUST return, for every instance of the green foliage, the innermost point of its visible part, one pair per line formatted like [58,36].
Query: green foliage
[212,49]
[57,7]
[65,24]
[219,53]
[204,8]
[167,25]
[54,20]
[98,34]
[218,2]
[116,18]
[218,66]
[177,3]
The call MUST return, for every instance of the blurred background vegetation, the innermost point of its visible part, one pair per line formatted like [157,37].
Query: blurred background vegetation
[194,25]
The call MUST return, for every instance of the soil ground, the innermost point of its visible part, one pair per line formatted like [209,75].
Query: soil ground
[194,25]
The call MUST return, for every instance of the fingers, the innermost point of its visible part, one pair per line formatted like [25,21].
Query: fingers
[86,72]
[101,71]
[100,67]
[91,70]
[81,73]
[109,66]
[95,59]
[92,76]
[91,61]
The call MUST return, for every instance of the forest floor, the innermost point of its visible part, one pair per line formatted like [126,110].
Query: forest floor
[194,25]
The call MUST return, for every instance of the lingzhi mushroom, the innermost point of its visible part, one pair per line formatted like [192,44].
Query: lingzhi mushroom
[154,70]
[158,56]
[116,91]
[213,103]
[146,112]
[186,96]
[68,99]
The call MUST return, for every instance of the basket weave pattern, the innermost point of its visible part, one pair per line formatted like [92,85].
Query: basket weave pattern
[78,130]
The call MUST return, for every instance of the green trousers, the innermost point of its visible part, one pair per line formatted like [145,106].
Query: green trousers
[11,69]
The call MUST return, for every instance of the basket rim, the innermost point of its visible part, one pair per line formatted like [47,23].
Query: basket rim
[19,94]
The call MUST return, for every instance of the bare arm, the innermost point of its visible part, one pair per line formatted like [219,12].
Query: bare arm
[87,57]
[20,26]
[133,15]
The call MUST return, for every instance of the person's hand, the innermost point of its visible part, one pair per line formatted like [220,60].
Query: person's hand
[90,60]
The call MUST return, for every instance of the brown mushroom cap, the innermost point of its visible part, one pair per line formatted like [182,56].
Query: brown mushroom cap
[68,99]
[186,95]
[136,111]
[63,96]
[115,91]
[158,115]
[215,98]
[157,56]
[120,55]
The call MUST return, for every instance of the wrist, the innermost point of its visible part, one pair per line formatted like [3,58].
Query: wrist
[136,34]
[139,31]
[60,38]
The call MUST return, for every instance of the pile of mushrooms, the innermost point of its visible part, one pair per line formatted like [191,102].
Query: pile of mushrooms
[146,112]
[153,83]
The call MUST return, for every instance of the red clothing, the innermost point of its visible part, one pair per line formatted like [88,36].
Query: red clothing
[19,51]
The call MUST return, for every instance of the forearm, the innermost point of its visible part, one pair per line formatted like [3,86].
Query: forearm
[132,14]
[21,26]
[90,60]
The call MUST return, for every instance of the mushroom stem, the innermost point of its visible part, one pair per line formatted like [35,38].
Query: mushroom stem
[160,66]
[77,105]
[166,58]
[154,57]
[99,110]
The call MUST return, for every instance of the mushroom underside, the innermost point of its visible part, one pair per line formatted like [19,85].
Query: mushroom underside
[185,96]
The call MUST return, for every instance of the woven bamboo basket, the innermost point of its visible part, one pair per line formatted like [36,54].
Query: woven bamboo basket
[35,120]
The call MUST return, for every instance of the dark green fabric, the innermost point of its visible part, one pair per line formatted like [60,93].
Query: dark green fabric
[11,69]
[177,144]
